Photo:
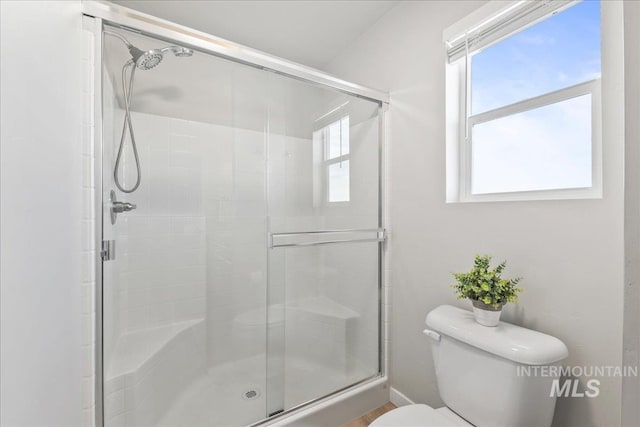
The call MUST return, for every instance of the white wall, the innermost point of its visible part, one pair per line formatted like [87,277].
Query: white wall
[41,114]
[569,252]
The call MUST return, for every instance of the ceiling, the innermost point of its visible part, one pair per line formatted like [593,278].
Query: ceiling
[310,32]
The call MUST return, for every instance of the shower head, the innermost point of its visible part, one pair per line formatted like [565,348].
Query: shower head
[145,60]
[179,51]
[183,52]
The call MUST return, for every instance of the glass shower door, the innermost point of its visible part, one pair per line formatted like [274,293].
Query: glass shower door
[324,242]
[185,295]
[245,282]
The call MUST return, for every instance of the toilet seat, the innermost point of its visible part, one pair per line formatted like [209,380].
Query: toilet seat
[419,415]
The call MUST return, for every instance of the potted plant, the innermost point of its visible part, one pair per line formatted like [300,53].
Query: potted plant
[486,289]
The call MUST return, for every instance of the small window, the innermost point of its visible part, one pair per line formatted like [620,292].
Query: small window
[332,163]
[525,119]
[336,160]
[339,181]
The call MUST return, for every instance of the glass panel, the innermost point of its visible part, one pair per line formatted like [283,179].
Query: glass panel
[339,181]
[299,175]
[330,321]
[558,52]
[542,149]
[185,298]
[316,286]
[199,314]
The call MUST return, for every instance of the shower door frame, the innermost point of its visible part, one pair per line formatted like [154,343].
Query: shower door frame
[170,32]
[118,16]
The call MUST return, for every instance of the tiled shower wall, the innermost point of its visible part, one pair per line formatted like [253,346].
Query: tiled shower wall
[161,254]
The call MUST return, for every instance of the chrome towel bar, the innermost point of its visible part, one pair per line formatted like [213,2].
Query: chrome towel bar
[293,239]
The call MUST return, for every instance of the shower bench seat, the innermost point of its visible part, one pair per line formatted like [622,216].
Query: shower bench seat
[149,368]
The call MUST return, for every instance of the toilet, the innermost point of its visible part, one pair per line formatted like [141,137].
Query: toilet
[482,375]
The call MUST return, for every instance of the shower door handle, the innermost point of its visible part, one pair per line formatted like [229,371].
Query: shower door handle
[326,237]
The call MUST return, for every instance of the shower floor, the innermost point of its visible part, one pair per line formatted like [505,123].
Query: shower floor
[218,398]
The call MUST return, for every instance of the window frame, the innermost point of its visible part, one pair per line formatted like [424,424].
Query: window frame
[460,122]
[590,87]
[327,165]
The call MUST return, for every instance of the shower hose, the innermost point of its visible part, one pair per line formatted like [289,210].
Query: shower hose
[127,125]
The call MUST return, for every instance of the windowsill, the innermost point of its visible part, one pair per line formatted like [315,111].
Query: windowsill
[539,195]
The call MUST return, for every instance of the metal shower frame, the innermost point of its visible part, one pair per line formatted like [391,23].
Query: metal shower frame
[118,16]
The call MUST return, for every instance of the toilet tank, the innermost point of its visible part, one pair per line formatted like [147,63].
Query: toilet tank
[482,371]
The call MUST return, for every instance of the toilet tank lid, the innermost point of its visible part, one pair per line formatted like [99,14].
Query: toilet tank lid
[515,343]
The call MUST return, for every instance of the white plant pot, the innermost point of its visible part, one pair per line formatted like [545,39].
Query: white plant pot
[486,315]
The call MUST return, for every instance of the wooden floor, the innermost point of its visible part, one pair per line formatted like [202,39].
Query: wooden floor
[367,419]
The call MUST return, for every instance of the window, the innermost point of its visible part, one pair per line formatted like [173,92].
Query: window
[523,114]
[336,164]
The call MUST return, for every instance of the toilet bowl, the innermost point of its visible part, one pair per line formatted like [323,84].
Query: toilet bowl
[420,416]
[472,360]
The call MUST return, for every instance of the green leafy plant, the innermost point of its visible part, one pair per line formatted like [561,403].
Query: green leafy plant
[485,284]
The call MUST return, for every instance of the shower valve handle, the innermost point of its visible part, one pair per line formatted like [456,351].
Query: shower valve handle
[119,207]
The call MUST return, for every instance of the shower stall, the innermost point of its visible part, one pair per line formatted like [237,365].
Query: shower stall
[242,238]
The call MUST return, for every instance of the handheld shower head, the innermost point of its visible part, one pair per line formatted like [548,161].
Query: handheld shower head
[183,52]
[145,60]
[179,51]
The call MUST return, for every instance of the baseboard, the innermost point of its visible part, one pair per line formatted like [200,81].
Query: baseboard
[399,399]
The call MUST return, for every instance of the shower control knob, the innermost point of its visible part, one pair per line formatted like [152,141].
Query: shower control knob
[119,207]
